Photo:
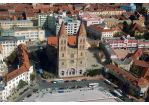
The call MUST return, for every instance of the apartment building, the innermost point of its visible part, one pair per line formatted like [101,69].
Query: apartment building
[100,31]
[71,25]
[139,85]
[34,33]
[128,6]
[89,18]
[12,79]
[18,23]
[10,43]
[110,21]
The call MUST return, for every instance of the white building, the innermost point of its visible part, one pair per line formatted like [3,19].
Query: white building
[10,43]
[71,25]
[100,31]
[12,79]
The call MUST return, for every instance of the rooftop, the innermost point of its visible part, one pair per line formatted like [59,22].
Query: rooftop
[28,28]
[16,21]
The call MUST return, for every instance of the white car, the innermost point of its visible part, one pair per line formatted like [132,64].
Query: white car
[119,90]
[78,80]
[24,99]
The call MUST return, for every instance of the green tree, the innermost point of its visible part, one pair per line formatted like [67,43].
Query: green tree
[125,27]
[133,67]
[12,57]
[108,61]
[131,92]
[123,98]
[32,77]
[94,46]
[146,36]
[22,84]
[143,57]
[102,46]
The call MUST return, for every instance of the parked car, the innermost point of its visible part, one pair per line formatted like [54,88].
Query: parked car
[24,99]
[126,95]
[26,89]
[132,99]
[68,87]
[78,80]
[14,98]
[35,90]
[67,81]
[73,81]
[29,95]
[119,90]
[84,79]
[44,81]
[79,87]
[61,88]
[21,93]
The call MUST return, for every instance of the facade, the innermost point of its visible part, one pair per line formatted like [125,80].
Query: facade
[128,6]
[101,31]
[68,52]
[110,21]
[9,44]
[34,33]
[89,18]
[18,23]
[139,85]
[71,25]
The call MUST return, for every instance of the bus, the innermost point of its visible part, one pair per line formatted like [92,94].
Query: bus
[93,84]
[58,81]
[107,81]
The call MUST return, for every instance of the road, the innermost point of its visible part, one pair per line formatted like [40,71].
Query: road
[29,91]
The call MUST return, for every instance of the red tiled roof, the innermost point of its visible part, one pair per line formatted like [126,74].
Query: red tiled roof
[24,63]
[145,73]
[141,63]
[128,4]
[92,43]
[136,53]
[53,41]
[81,29]
[62,30]
[100,29]
[72,40]
[135,26]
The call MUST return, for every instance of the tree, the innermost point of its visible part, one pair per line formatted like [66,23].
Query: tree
[102,46]
[131,92]
[143,57]
[146,36]
[32,77]
[125,27]
[147,77]
[108,61]
[12,57]
[22,84]
[133,67]
[123,98]
[94,46]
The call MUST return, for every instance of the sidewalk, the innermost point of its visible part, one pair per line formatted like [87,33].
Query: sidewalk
[76,78]
[17,93]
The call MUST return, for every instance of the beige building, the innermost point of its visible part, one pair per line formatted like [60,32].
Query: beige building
[110,21]
[34,33]
[68,52]
[18,23]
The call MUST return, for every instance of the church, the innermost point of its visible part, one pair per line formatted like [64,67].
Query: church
[68,53]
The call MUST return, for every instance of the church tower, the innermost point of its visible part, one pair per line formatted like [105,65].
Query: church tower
[81,46]
[62,50]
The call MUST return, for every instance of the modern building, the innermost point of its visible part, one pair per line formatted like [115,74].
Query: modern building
[11,80]
[139,85]
[89,18]
[71,25]
[34,33]
[100,31]
[128,6]
[68,52]
[18,23]
[10,43]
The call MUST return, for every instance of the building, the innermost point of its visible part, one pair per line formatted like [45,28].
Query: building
[18,23]
[111,21]
[89,18]
[12,79]
[100,31]
[136,54]
[128,6]
[10,43]
[71,25]
[116,30]
[139,85]
[3,66]
[34,33]
[68,52]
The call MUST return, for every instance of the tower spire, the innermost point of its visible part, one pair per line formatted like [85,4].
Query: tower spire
[62,30]
[81,29]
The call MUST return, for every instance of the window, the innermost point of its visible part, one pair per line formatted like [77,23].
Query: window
[80,40]
[64,47]
[32,35]
[17,33]
[41,32]
[36,35]
[72,61]
[61,41]
[62,63]
[83,46]
[83,40]
[27,35]
[80,62]
[63,55]
[80,72]
[81,53]
[61,48]
[80,46]
[72,55]
[64,41]
[62,72]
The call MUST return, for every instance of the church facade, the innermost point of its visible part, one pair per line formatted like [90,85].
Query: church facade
[68,53]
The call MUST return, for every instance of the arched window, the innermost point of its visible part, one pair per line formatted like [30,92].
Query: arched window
[61,48]
[83,40]
[83,46]
[81,53]
[61,41]
[64,47]
[70,73]
[80,40]
[80,71]
[80,46]
[63,73]
[64,41]
[73,72]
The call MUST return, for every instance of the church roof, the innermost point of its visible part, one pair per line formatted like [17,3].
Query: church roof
[62,30]
[81,29]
